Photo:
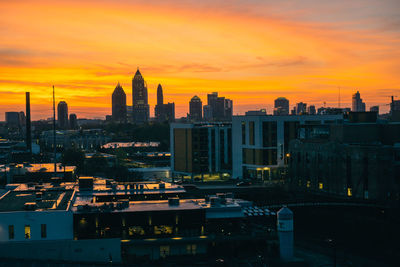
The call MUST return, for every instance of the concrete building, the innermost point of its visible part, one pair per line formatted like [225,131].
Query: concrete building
[140,106]
[201,149]
[195,109]
[118,100]
[220,108]
[281,106]
[12,119]
[62,115]
[260,144]
[99,220]
[358,158]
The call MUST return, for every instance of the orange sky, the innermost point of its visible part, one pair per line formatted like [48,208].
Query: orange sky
[250,51]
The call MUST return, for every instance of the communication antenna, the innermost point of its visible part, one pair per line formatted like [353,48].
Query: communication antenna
[54,134]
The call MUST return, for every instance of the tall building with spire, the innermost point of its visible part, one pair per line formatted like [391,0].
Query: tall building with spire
[62,114]
[163,112]
[357,103]
[118,100]
[140,106]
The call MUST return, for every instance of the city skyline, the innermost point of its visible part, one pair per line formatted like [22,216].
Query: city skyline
[303,50]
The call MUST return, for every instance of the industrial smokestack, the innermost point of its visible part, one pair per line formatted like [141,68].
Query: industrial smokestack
[28,123]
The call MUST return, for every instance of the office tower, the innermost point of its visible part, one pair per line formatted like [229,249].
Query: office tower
[394,105]
[301,108]
[207,113]
[140,106]
[62,115]
[220,107]
[28,122]
[195,108]
[12,119]
[163,112]
[281,106]
[311,110]
[119,104]
[158,109]
[357,103]
[73,121]
[374,109]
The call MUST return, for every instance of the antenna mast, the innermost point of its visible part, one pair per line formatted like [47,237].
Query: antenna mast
[54,134]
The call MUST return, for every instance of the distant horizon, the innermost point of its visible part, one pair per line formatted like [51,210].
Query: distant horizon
[250,51]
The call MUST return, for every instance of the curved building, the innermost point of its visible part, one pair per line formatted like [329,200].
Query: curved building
[62,114]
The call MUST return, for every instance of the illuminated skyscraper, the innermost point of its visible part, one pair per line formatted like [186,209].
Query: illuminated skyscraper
[140,106]
[119,104]
[62,114]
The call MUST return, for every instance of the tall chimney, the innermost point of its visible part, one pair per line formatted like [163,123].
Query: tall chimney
[28,123]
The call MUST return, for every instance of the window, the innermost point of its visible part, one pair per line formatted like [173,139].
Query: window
[269,133]
[191,249]
[43,230]
[321,186]
[163,230]
[349,191]
[243,133]
[164,251]
[11,232]
[27,232]
[251,133]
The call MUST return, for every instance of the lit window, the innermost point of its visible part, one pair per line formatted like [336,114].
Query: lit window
[43,231]
[11,232]
[321,186]
[162,230]
[135,230]
[191,249]
[27,232]
[308,184]
[349,192]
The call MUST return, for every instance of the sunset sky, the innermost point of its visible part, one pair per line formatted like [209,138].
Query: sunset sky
[250,51]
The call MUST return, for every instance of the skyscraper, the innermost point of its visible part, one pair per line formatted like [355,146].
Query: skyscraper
[62,114]
[119,104]
[195,108]
[140,106]
[73,121]
[311,110]
[281,106]
[357,103]
[163,112]
[301,108]
[220,107]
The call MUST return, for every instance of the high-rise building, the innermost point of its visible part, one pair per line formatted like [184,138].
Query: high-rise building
[220,107]
[22,118]
[73,121]
[163,112]
[357,103]
[140,106]
[281,106]
[12,118]
[119,104]
[62,114]
[207,113]
[28,132]
[195,108]
[301,108]
[311,110]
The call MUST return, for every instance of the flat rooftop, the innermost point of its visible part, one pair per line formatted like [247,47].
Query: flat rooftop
[51,200]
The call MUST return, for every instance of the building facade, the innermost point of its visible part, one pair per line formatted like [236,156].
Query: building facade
[199,149]
[357,103]
[140,106]
[261,143]
[220,108]
[118,100]
[163,112]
